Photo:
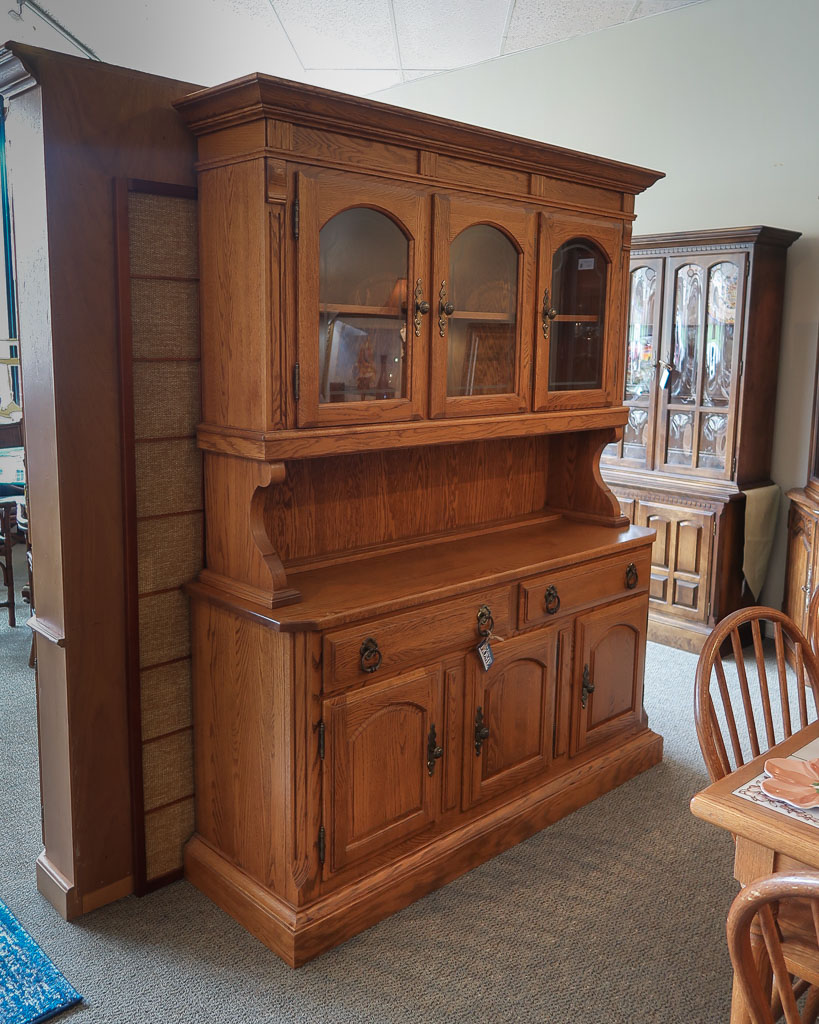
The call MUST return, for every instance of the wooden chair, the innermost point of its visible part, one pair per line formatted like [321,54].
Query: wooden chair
[775,963]
[712,689]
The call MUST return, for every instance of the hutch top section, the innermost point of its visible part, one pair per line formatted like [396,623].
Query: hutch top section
[374,277]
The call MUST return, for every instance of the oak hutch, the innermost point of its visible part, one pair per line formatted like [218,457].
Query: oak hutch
[702,355]
[411,352]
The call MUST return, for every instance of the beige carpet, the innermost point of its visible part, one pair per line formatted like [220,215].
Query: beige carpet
[613,916]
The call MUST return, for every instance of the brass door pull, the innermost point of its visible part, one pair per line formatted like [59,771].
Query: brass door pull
[445,310]
[434,752]
[632,577]
[547,314]
[371,657]
[421,306]
[588,687]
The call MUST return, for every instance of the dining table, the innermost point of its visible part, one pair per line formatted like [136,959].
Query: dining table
[770,834]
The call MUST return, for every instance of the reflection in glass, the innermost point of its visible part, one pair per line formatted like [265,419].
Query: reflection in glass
[576,334]
[640,357]
[719,339]
[680,444]
[483,288]
[713,440]
[687,329]
[363,259]
[634,434]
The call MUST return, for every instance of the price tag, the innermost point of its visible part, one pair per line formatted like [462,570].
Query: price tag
[485,654]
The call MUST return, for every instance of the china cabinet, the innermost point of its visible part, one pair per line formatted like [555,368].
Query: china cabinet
[802,570]
[419,635]
[701,353]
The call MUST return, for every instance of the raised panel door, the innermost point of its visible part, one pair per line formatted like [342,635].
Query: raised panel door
[799,573]
[509,724]
[579,300]
[362,257]
[382,771]
[680,558]
[483,281]
[608,669]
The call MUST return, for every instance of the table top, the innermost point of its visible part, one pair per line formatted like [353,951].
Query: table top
[720,805]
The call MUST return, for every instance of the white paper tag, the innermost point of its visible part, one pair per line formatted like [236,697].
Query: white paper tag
[485,654]
[586,264]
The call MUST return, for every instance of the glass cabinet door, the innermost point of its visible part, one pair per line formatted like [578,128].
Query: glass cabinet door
[699,397]
[479,352]
[642,363]
[362,318]
[579,295]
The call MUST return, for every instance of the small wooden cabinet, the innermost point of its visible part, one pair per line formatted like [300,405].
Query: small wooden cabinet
[702,352]
[411,363]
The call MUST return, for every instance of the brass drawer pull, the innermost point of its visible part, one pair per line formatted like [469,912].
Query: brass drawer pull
[481,731]
[631,576]
[434,752]
[371,657]
[551,600]
[588,687]
[485,621]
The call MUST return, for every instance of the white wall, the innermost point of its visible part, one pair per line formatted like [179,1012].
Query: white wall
[724,97]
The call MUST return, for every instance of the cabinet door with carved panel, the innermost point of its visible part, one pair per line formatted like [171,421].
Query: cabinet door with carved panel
[483,273]
[680,558]
[383,746]
[362,257]
[509,716]
[608,685]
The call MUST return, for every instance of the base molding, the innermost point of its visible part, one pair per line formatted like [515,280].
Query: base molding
[688,637]
[300,934]
[58,890]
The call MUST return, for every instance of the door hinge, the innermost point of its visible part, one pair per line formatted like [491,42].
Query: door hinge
[714,526]
[296,382]
[708,609]
[322,844]
[734,466]
[296,218]
[321,740]
[741,368]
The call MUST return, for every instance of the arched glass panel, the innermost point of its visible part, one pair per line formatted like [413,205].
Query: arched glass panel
[578,298]
[687,330]
[482,330]
[723,279]
[363,260]
[641,355]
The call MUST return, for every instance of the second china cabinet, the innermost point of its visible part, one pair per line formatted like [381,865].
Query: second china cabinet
[702,354]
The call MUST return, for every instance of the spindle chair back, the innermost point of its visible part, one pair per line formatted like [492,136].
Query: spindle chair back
[726,693]
[773,964]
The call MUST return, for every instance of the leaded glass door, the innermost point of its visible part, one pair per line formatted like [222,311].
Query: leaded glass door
[362,294]
[643,365]
[698,401]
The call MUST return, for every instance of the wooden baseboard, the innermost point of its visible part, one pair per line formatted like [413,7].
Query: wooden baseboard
[58,890]
[300,934]
[688,637]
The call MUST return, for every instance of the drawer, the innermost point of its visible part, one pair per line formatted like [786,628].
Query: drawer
[421,636]
[582,586]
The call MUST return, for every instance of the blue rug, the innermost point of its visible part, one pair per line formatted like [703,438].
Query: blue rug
[31,987]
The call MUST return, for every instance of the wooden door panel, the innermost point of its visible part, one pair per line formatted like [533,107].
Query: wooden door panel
[680,558]
[514,704]
[378,789]
[610,656]
[799,574]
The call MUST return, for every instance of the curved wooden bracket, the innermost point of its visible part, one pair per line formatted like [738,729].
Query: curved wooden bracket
[239,555]
[575,484]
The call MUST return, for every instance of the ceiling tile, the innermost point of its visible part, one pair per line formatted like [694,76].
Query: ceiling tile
[439,34]
[411,74]
[359,83]
[537,22]
[644,8]
[340,33]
